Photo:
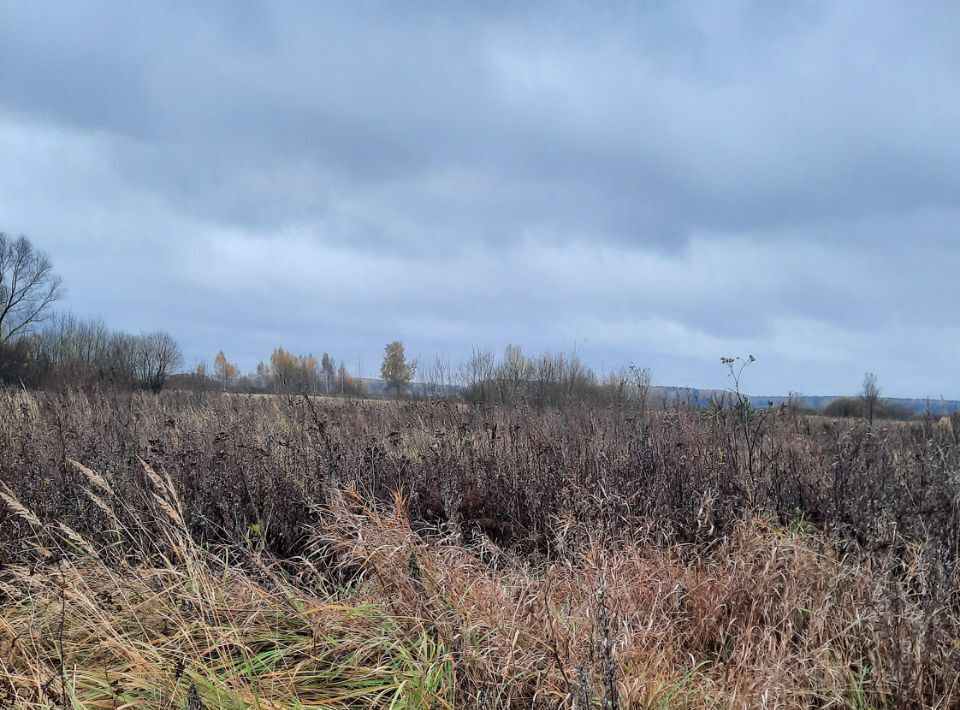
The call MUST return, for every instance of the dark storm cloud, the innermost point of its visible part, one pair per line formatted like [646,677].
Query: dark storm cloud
[663,181]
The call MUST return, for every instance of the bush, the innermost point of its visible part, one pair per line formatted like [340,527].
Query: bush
[854,407]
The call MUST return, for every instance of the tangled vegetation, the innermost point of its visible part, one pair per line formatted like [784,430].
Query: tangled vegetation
[221,550]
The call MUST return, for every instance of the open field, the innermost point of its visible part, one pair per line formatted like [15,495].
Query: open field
[190,550]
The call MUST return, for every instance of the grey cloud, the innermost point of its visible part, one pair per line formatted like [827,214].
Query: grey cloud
[712,172]
[746,122]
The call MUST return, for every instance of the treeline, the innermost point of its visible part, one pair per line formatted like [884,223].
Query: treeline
[67,352]
[859,408]
[283,373]
[548,379]
[543,380]
[40,349]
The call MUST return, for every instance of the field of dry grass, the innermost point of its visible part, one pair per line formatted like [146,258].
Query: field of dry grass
[220,551]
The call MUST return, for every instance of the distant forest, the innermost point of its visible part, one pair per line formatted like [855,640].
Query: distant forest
[43,348]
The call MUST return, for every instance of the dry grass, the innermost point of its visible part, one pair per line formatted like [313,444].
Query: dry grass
[79,632]
[766,619]
[118,590]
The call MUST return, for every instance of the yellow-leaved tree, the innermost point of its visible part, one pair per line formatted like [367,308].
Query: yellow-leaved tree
[225,371]
[395,370]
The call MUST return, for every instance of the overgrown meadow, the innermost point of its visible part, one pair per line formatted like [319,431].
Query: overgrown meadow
[202,550]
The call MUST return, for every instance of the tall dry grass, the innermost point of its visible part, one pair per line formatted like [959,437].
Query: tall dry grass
[263,552]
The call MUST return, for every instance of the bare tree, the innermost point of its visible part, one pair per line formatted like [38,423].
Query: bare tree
[870,394]
[476,374]
[514,374]
[157,357]
[28,287]
[435,377]
[120,367]
[73,351]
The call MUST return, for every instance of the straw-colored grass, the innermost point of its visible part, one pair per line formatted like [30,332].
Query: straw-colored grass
[199,628]
[770,618]
[151,637]
[250,553]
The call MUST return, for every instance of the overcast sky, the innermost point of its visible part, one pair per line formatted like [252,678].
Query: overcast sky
[649,183]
